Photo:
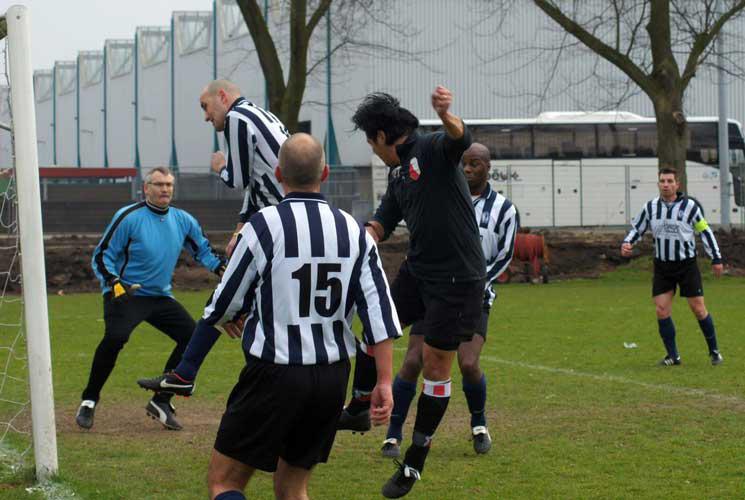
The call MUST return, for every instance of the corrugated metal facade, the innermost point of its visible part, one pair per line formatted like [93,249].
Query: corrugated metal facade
[449,42]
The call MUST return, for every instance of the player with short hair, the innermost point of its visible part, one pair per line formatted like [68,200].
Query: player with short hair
[498,223]
[298,273]
[675,219]
[134,261]
[253,137]
[441,282]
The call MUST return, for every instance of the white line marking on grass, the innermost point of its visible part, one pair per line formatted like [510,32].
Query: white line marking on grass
[687,391]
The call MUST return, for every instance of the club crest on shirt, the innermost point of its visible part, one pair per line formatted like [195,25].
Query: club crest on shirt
[414,170]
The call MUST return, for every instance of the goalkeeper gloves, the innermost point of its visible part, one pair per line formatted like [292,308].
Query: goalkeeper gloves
[121,292]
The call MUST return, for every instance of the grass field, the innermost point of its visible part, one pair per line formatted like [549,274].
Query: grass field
[573,413]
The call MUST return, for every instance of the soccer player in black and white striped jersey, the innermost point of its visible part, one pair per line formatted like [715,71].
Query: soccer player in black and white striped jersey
[674,220]
[299,272]
[253,137]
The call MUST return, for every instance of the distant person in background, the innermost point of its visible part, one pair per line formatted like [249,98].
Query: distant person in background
[253,137]
[134,262]
[675,219]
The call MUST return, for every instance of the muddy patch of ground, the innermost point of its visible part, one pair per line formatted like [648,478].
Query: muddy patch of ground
[571,254]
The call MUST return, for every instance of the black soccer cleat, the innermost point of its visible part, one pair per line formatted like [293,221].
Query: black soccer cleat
[86,412]
[716,358]
[168,382]
[355,423]
[668,361]
[481,439]
[164,413]
[401,482]
[391,448]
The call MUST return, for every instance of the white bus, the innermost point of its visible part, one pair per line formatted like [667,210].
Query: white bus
[598,169]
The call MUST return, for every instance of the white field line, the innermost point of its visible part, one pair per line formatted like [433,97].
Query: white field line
[673,389]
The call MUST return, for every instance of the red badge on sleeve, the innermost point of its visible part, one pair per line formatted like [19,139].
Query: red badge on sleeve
[414,170]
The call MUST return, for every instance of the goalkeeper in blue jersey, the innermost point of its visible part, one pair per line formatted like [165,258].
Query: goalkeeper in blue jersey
[134,262]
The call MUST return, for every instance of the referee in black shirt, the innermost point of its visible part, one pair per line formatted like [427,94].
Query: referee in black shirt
[441,282]
[299,272]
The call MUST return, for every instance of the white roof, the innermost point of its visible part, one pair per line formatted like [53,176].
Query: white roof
[576,117]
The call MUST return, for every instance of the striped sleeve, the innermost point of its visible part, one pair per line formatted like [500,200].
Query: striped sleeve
[506,229]
[707,235]
[228,299]
[639,225]
[239,139]
[374,303]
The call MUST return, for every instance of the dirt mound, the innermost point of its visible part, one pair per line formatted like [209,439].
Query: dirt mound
[571,254]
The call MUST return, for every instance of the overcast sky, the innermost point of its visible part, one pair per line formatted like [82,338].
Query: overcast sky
[61,28]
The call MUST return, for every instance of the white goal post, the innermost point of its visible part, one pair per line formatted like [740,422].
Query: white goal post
[32,245]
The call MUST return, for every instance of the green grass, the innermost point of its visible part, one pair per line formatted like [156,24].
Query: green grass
[573,413]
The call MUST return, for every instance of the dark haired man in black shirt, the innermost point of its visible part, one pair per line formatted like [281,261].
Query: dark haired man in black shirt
[441,282]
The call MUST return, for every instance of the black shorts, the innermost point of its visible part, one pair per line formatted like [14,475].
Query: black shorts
[450,313]
[287,411]
[418,329]
[683,273]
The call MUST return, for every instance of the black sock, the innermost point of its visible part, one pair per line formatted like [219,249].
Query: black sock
[710,334]
[365,376]
[476,398]
[667,332]
[230,495]
[431,407]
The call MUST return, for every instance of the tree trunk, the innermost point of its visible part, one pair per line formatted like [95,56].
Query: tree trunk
[672,134]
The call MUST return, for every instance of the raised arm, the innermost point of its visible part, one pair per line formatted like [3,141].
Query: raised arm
[457,137]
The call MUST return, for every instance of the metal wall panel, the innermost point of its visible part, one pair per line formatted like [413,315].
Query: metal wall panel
[153,96]
[91,109]
[120,110]
[192,67]
[65,116]
[43,101]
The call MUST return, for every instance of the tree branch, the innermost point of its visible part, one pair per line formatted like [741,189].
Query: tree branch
[702,40]
[316,17]
[267,51]
[621,61]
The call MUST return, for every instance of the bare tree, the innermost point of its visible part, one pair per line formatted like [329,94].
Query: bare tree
[659,45]
[349,19]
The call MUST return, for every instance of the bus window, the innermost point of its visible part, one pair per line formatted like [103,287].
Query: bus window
[504,141]
[646,140]
[617,139]
[564,141]
[703,143]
